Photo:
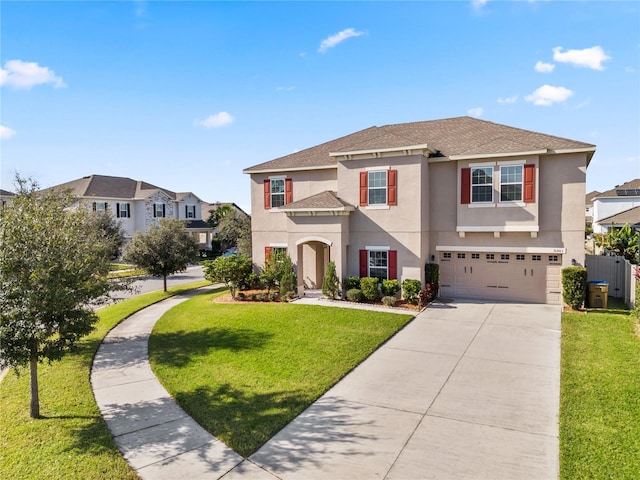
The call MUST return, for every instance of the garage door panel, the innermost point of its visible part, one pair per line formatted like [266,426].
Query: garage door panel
[502,276]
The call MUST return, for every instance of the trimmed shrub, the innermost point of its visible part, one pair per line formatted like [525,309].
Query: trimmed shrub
[350,283]
[574,286]
[287,282]
[369,287]
[273,297]
[410,290]
[355,295]
[389,301]
[330,283]
[432,278]
[390,287]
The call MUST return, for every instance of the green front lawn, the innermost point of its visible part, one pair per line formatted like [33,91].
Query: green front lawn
[600,396]
[71,441]
[244,371]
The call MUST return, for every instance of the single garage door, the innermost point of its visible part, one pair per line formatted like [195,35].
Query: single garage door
[517,277]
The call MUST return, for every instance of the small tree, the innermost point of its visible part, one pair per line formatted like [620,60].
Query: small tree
[574,286]
[330,282]
[234,229]
[166,248]
[109,230]
[53,270]
[233,271]
[288,280]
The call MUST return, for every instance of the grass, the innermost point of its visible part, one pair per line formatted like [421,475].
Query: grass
[600,396]
[245,371]
[71,441]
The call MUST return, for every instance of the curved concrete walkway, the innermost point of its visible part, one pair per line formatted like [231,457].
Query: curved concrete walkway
[466,390]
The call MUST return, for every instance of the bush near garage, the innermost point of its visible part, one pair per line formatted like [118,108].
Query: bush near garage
[432,279]
[574,286]
[410,290]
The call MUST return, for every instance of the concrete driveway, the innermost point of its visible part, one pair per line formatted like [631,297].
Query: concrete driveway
[467,390]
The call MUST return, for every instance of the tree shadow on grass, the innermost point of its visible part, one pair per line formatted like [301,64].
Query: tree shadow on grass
[176,349]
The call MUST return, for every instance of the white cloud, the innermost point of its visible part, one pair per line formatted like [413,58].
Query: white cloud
[475,112]
[587,57]
[285,89]
[544,67]
[548,95]
[19,74]
[508,100]
[6,132]
[478,3]
[218,120]
[339,37]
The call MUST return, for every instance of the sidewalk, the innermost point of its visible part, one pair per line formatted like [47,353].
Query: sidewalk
[466,390]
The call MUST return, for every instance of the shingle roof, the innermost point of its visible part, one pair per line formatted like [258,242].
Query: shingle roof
[6,193]
[447,137]
[104,186]
[590,196]
[326,200]
[631,216]
[623,190]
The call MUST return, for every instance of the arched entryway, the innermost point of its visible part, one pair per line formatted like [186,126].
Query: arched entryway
[313,253]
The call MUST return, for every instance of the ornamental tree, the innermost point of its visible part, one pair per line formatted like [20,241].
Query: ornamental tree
[166,248]
[620,241]
[233,271]
[53,271]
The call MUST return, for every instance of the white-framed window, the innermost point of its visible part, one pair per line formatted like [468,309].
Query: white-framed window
[511,183]
[277,192]
[159,210]
[481,184]
[379,264]
[190,211]
[99,206]
[377,187]
[123,210]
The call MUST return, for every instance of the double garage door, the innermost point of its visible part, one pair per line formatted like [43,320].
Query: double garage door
[516,277]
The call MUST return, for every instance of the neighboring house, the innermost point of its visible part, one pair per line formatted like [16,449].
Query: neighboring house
[5,196]
[629,217]
[500,209]
[588,206]
[617,200]
[208,208]
[137,204]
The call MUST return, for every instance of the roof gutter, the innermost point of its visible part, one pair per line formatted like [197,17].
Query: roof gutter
[290,169]
[403,150]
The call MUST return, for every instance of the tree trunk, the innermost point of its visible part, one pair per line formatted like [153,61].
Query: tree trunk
[35,399]
[165,283]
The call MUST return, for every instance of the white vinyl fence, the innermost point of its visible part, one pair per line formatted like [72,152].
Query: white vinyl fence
[617,272]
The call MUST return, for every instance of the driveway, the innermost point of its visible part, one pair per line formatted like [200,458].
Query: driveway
[467,390]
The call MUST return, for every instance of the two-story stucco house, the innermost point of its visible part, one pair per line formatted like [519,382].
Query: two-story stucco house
[500,209]
[137,204]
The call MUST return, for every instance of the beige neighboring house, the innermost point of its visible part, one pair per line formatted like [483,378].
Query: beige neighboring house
[138,204]
[588,205]
[208,208]
[500,209]
[619,199]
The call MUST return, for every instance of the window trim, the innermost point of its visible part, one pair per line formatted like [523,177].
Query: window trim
[503,183]
[163,213]
[490,184]
[190,211]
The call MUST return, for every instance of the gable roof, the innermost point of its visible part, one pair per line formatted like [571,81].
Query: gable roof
[459,136]
[590,196]
[104,186]
[631,216]
[323,201]
[628,189]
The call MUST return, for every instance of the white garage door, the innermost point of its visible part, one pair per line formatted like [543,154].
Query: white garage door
[517,277]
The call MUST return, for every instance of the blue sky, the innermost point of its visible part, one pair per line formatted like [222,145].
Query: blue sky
[185,95]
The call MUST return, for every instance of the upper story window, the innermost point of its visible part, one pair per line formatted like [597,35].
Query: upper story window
[277,192]
[379,187]
[482,184]
[159,210]
[516,184]
[123,210]
[99,206]
[511,183]
[190,211]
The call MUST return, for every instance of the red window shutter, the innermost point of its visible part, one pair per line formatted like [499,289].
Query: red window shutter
[364,263]
[529,183]
[392,264]
[392,187]
[288,191]
[364,188]
[465,186]
[267,254]
[267,194]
